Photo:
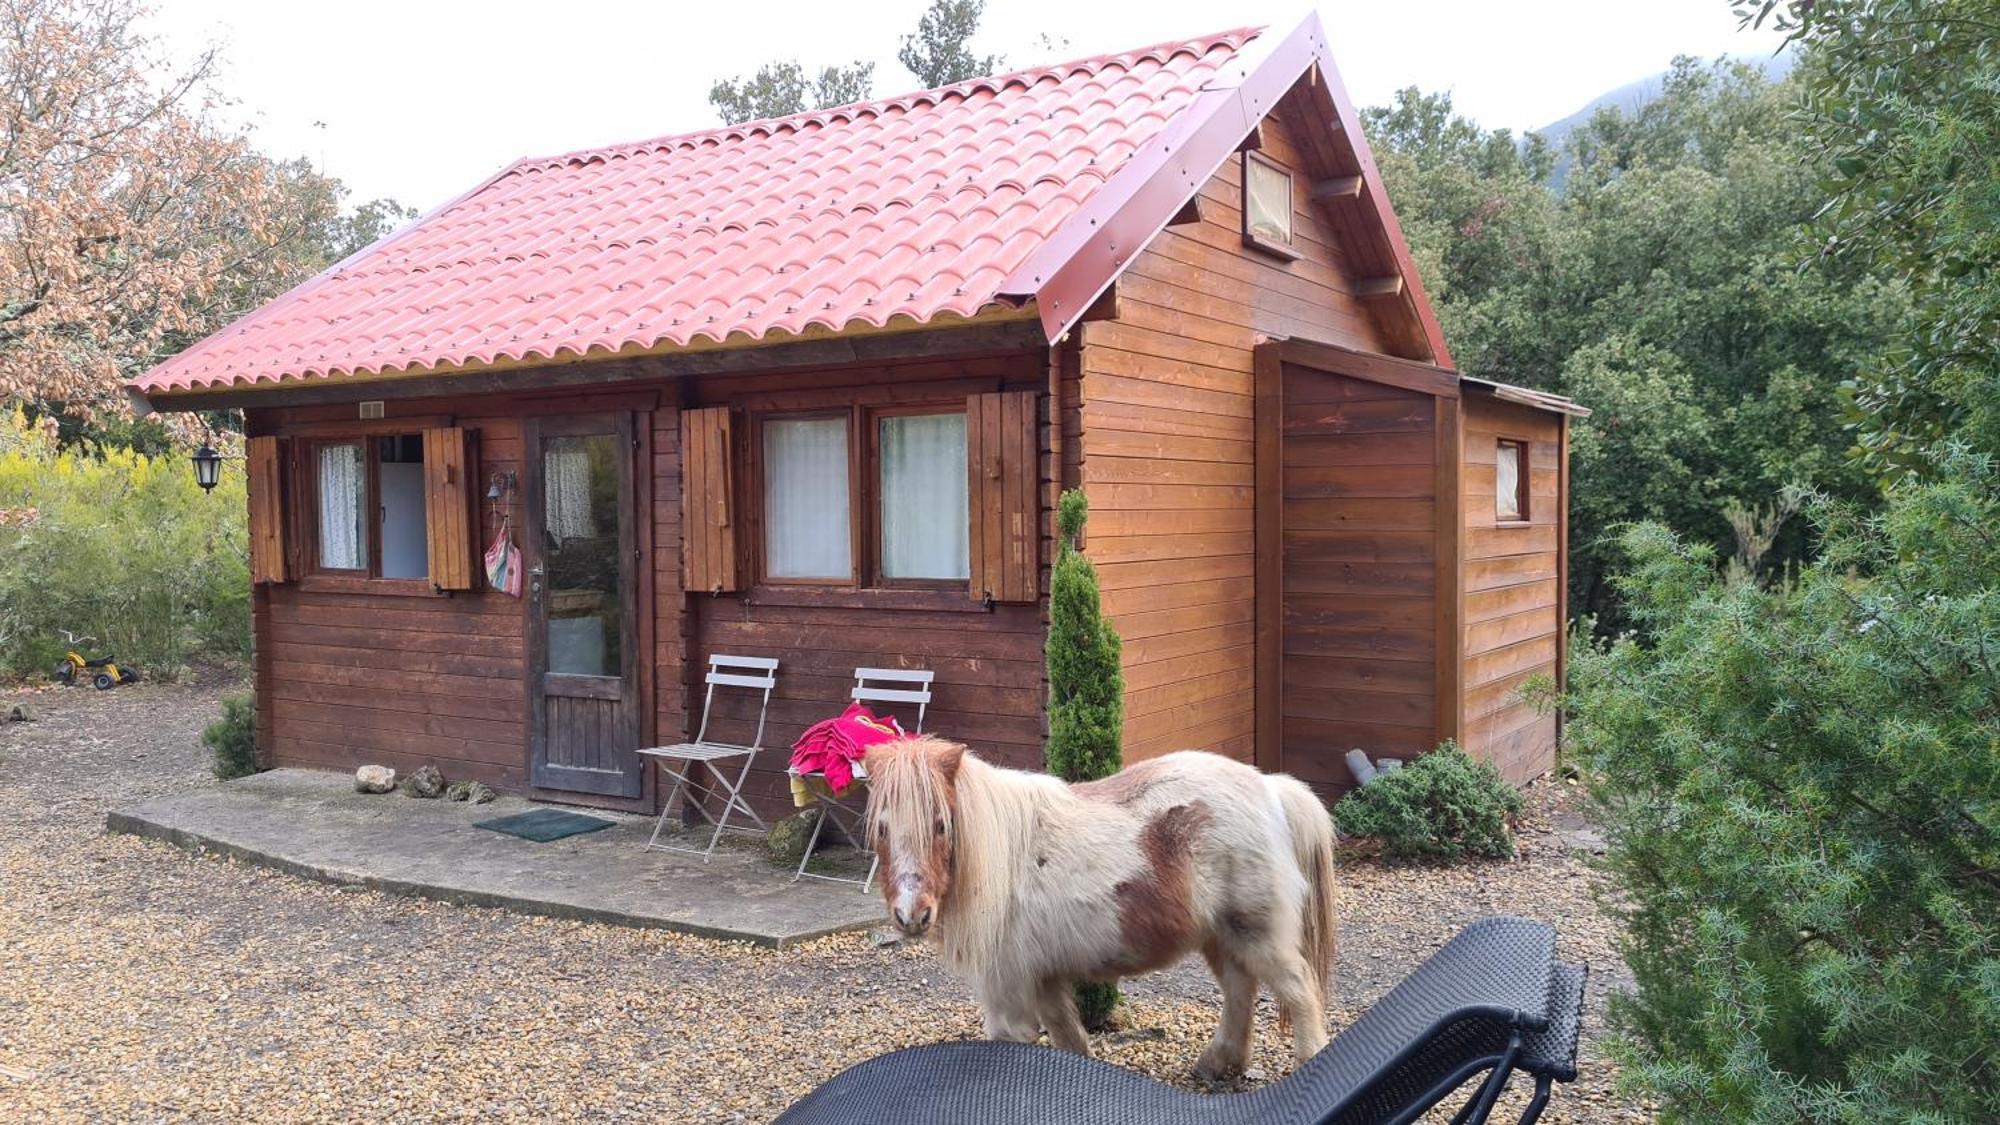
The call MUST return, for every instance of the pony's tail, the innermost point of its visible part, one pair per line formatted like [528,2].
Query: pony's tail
[1312,845]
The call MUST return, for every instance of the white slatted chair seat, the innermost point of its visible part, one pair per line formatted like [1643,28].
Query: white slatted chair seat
[682,760]
[697,751]
[870,686]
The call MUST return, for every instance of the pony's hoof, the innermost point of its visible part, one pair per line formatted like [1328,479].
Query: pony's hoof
[1213,1066]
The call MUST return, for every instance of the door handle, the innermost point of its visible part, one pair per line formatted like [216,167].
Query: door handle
[535,582]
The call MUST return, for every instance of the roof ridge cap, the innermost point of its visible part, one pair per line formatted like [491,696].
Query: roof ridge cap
[1238,37]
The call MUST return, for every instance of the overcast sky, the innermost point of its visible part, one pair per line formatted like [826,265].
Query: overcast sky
[421,100]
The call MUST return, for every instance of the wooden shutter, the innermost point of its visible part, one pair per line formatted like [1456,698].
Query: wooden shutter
[708,501]
[448,516]
[1003,455]
[263,459]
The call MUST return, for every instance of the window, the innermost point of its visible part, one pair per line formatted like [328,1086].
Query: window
[1267,205]
[400,475]
[370,507]
[909,495]
[808,529]
[343,497]
[1510,481]
[925,530]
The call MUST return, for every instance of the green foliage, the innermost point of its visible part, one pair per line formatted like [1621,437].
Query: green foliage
[1801,784]
[1802,798]
[1086,681]
[937,53]
[1086,692]
[780,89]
[232,739]
[1443,805]
[1659,286]
[121,547]
[1901,116]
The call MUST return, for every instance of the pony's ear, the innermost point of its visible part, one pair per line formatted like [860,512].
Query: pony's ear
[948,757]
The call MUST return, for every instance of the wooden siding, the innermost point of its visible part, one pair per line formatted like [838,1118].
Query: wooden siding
[346,678]
[1360,572]
[1514,613]
[989,690]
[1166,449]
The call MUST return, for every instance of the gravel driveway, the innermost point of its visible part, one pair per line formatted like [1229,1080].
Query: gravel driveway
[144,984]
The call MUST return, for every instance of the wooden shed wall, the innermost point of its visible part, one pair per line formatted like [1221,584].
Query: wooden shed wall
[350,677]
[989,691]
[1360,572]
[1166,449]
[347,676]
[1514,615]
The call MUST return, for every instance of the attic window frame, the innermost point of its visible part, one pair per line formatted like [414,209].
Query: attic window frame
[1281,250]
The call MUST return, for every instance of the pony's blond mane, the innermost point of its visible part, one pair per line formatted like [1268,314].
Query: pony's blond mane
[990,830]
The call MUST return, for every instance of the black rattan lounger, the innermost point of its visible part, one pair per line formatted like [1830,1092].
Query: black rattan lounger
[1493,1001]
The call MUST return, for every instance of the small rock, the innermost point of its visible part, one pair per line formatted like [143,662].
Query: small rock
[786,842]
[479,793]
[427,782]
[374,779]
[885,936]
[20,713]
[458,791]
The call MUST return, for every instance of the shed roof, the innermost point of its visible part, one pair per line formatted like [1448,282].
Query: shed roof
[1032,188]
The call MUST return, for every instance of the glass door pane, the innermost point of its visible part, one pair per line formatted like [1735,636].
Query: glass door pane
[581,551]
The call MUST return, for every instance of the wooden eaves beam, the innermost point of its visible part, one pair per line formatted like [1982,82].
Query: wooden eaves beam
[1338,187]
[1379,288]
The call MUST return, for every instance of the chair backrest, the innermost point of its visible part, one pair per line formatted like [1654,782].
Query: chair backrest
[757,673]
[871,685]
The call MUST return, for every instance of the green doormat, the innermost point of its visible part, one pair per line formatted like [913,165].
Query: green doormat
[543,825]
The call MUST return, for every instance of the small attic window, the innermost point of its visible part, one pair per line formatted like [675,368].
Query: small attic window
[1267,206]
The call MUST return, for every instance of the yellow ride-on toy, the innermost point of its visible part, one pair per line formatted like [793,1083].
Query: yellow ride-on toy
[103,672]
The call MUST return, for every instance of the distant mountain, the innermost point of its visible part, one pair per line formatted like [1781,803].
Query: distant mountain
[1631,97]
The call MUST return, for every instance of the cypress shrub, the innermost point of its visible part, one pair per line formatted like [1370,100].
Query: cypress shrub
[1086,691]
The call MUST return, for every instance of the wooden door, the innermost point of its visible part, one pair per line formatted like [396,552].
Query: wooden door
[581,548]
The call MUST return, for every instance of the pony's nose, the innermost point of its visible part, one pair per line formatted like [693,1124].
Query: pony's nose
[913,923]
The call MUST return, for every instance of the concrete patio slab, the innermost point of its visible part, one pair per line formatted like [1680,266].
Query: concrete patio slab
[314,824]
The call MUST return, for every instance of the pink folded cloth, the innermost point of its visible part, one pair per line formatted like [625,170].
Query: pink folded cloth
[833,746]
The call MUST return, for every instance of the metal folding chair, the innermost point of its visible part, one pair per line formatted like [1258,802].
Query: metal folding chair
[680,761]
[871,685]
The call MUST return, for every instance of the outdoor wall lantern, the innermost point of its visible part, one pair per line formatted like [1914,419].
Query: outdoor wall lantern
[207,466]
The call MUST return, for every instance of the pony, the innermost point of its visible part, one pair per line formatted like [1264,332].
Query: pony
[1029,885]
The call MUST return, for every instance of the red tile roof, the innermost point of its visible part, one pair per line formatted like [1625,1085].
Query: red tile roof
[910,209]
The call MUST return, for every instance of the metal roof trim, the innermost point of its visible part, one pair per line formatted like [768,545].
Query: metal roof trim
[1527,396]
[1077,264]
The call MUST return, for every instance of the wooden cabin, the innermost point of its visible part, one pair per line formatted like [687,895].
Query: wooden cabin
[807,388]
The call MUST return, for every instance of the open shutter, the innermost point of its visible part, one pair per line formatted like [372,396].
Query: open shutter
[448,522]
[708,501]
[1003,455]
[263,459]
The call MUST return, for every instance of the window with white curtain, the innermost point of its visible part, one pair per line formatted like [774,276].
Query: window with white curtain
[1510,468]
[807,518]
[343,504]
[925,530]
